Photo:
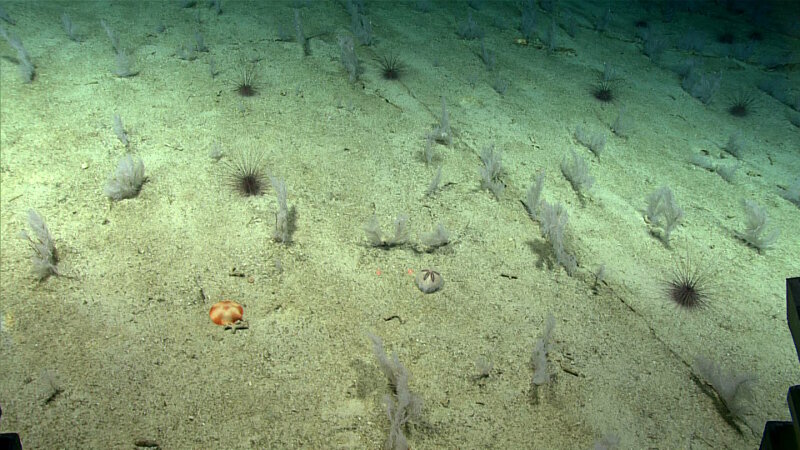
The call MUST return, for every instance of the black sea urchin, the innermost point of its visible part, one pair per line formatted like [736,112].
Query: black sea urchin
[689,286]
[246,173]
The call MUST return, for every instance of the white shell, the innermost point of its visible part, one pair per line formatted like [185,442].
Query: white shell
[429,281]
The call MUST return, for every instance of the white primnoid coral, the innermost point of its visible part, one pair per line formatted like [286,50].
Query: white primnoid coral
[283,219]
[757,232]
[553,221]
[663,212]
[402,405]
[128,179]
[375,236]
[735,390]
[45,255]
[539,354]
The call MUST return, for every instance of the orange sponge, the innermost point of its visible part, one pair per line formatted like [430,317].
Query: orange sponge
[226,312]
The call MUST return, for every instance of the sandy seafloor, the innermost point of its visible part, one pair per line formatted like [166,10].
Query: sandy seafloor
[120,349]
